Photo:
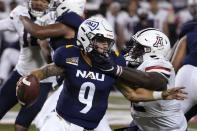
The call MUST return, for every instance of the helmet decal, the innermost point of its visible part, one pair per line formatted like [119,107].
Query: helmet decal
[92,24]
[159,42]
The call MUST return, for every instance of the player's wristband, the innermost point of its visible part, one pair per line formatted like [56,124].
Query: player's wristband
[119,70]
[157,95]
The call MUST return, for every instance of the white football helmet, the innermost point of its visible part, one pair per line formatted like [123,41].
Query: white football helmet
[94,27]
[147,43]
[36,13]
[76,6]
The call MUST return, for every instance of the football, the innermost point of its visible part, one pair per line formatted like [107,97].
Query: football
[28,90]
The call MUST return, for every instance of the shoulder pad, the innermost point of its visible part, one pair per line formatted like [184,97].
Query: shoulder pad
[116,52]
[71,19]
[67,46]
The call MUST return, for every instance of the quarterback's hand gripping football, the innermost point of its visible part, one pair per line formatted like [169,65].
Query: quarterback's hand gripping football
[105,64]
[27,90]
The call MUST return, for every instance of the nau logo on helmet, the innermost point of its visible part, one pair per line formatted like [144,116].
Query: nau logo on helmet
[91,75]
[92,24]
[159,42]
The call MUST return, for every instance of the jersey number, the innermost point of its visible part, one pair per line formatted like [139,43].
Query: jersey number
[86,95]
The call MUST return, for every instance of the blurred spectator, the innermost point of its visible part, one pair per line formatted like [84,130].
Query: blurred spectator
[112,14]
[188,14]
[170,27]
[178,4]
[144,21]
[111,17]
[3,11]
[157,14]
[126,23]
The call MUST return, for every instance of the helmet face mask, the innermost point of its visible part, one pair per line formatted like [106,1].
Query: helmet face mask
[38,8]
[147,43]
[99,38]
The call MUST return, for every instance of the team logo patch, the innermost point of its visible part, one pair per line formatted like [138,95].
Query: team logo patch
[72,61]
[159,42]
[92,24]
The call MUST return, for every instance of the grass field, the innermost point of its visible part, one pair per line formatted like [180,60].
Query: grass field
[116,104]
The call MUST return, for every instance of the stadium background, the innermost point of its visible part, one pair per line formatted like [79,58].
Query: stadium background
[127,17]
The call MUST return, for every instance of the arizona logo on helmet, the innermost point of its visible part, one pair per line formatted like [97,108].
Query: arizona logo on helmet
[92,24]
[159,42]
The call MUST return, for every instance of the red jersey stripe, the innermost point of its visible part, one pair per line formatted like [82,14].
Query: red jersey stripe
[157,67]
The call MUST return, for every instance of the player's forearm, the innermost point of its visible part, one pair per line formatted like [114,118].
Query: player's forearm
[43,32]
[179,54]
[30,26]
[139,79]
[137,95]
[47,71]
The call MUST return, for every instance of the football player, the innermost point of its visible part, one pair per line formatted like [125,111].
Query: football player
[149,51]
[184,62]
[69,17]
[82,104]
[30,58]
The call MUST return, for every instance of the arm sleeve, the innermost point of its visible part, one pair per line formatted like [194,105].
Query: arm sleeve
[6,24]
[57,57]
[118,58]
[71,19]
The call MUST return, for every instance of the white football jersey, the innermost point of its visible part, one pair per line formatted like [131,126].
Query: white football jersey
[158,18]
[30,57]
[158,108]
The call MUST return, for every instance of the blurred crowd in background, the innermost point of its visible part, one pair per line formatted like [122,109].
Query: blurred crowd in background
[126,16]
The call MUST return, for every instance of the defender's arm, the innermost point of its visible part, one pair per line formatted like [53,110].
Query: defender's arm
[141,94]
[43,32]
[147,80]
[179,54]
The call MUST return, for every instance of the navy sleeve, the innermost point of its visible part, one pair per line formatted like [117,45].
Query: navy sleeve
[58,57]
[71,19]
[186,28]
[118,58]
[192,42]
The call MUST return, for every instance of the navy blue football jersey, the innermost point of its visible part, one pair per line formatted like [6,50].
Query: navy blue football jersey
[84,98]
[72,20]
[191,48]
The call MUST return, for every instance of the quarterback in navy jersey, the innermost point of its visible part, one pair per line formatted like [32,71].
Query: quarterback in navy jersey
[84,95]
[63,32]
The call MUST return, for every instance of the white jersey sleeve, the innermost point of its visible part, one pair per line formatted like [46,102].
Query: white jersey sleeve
[6,25]
[47,19]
